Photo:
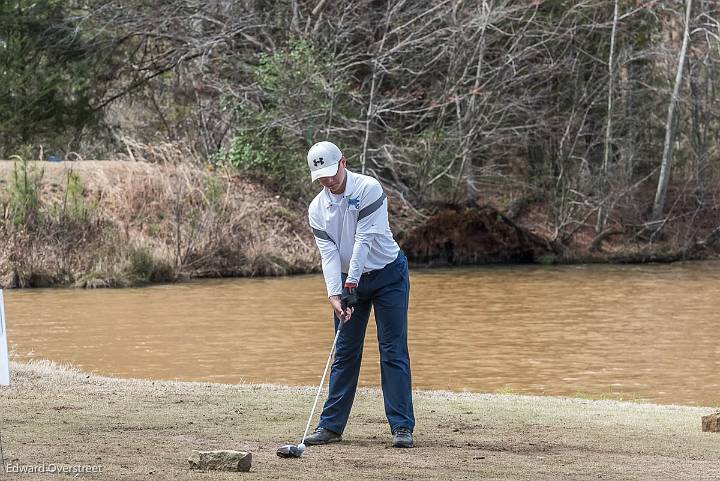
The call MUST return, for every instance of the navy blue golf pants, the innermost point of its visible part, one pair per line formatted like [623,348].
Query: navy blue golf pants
[387,290]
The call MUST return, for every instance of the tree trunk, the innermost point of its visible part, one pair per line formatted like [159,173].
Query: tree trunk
[602,215]
[671,124]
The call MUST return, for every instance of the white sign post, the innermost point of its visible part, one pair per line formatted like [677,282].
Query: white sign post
[4,361]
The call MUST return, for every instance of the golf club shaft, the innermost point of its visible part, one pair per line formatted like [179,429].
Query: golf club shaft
[322,381]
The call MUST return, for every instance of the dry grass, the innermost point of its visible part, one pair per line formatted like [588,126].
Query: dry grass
[156,222]
[176,219]
[145,430]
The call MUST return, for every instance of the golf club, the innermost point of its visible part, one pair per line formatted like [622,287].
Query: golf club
[290,450]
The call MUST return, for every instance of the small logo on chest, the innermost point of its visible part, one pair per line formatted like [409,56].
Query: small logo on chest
[354,202]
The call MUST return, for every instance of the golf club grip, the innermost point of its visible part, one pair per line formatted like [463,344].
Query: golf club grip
[344,307]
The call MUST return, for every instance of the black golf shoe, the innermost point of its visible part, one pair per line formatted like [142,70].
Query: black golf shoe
[402,438]
[322,436]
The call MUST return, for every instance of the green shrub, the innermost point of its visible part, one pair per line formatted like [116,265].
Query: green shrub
[141,263]
[145,267]
[299,89]
[24,190]
[259,157]
[49,66]
[75,206]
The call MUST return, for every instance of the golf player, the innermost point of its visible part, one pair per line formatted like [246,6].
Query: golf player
[363,268]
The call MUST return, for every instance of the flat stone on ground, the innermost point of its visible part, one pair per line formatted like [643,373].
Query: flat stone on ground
[221,460]
[711,423]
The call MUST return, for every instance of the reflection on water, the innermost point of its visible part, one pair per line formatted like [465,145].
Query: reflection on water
[642,332]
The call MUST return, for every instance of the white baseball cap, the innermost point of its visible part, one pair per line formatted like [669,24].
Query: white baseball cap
[324,160]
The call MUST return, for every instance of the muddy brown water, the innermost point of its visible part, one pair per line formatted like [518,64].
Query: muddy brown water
[645,333]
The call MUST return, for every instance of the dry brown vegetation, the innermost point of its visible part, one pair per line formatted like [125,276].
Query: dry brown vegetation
[146,430]
[134,222]
[115,223]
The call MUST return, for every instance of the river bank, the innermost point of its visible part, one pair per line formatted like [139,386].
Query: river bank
[119,224]
[146,429]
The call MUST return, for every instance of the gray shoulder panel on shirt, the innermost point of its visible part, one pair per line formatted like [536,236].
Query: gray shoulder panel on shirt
[366,211]
[321,234]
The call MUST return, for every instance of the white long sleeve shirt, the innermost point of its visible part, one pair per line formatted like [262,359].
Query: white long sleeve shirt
[352,231]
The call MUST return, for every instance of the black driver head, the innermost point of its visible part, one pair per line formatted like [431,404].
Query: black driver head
[289,451]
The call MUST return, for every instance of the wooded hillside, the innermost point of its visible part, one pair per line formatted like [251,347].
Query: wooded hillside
[560,113]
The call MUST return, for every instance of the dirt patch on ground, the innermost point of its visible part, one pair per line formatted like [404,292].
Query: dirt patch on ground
[146,430]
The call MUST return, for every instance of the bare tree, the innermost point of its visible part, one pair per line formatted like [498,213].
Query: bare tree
[671,123]
[601,215]
[445,102]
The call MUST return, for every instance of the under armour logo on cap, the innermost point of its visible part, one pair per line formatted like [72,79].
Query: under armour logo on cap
[323,160]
